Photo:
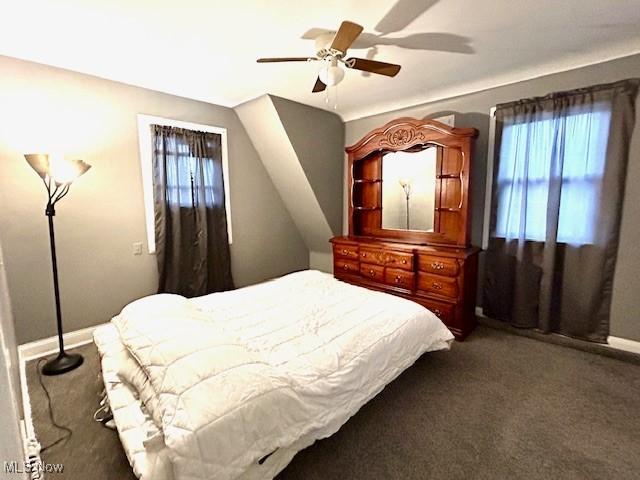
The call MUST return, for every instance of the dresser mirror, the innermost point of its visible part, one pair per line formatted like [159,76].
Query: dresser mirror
[409,189]
[410,181]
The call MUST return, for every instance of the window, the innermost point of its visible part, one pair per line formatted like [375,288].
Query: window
[180,184]
[570,149]
[181,187]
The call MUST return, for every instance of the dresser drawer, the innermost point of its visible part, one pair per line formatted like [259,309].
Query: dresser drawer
[444,311]
[372,255]
[438,265]
[343,266]
[373,272]
[345,251]
[403,260]
[436,284]
[399,278]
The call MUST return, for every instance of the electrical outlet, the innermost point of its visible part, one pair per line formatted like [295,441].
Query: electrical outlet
[137,248]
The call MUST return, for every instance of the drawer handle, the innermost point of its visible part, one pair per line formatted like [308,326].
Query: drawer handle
[345,266]
[364,255]
[436,286]
[437,312]
[344,252]
[398,279]
[372,273]
[404,261]
[437,265]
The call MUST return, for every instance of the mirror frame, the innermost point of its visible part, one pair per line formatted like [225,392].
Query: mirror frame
[403,134]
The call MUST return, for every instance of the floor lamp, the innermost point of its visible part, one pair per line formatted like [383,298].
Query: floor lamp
[57,174]
[406,187]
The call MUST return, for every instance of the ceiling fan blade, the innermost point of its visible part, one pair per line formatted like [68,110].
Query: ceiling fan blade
[346,35]
[285,59]
[373,66]
[319,86]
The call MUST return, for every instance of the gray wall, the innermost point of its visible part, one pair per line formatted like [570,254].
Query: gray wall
[44,107]
[473,111]
[317,136]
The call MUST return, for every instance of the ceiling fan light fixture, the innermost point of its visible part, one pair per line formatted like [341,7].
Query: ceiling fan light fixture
[331,75]
[331,50]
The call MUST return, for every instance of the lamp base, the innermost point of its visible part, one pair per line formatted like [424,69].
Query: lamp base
[63,363]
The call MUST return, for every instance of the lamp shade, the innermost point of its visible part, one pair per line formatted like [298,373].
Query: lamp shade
[64,171]
[39,162]
[58,168]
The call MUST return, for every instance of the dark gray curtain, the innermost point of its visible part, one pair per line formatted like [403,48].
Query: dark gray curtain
[192,246]
[559,178]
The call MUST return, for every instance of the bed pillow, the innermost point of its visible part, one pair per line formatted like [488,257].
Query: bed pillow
[162,303]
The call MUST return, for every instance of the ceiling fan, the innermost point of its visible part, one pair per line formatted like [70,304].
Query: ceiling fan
[331,48]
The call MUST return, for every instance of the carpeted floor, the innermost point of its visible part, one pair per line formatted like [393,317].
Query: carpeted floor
[497,406]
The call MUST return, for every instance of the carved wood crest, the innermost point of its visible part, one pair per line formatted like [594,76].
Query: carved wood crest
[401,136]
[404,133]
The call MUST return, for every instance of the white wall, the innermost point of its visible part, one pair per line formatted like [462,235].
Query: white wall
[11,448]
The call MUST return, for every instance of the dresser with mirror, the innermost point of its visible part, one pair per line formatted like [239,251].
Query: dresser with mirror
[409,218]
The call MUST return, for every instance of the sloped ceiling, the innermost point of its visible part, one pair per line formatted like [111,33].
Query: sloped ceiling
[317,137]
[306,169]
[207,50]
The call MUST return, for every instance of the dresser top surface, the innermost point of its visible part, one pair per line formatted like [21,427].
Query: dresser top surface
[404,246]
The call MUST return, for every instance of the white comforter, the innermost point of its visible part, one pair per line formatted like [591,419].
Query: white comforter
[239,374]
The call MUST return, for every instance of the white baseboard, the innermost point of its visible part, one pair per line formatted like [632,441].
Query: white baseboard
[28,432]
[624,344]
[47,346]
[616,343]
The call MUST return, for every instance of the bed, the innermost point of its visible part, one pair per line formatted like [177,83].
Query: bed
[232,385]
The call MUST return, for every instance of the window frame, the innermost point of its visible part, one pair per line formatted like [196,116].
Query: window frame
[146,165]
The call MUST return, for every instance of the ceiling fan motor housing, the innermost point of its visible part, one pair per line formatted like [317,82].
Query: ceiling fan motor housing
[323,46]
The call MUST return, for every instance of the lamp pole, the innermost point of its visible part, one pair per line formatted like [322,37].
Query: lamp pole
[407,195]
[50,212]
[64,362]
[406,186]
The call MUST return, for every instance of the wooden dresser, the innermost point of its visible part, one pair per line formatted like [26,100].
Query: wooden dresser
[429,261]
[441,279]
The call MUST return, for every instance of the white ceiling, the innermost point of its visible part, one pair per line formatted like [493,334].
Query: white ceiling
[206,49]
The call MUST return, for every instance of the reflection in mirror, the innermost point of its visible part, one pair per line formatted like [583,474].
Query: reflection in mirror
[408,190]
